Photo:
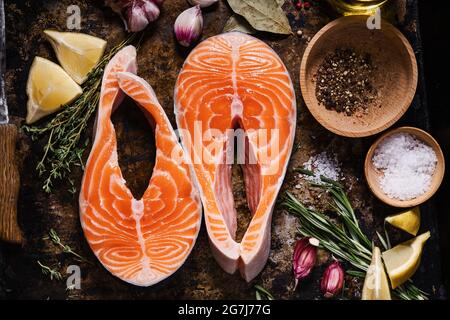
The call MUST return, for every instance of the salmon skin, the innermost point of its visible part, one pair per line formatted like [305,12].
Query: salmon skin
[139,241]
[236,83]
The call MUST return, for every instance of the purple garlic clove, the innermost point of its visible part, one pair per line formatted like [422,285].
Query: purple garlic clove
[188,26]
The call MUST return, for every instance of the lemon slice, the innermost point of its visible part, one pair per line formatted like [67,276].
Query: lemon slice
[78,53]
[403,260]
[376,286]
[48,88]
[408,221]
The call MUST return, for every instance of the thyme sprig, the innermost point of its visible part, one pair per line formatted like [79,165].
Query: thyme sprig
[54,237]
[66,143]
[346,240]
[51,272]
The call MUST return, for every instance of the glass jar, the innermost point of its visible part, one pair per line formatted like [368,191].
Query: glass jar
[357,7]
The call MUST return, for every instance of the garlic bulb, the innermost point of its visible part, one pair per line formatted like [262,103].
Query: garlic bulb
[202,3]
[188,26]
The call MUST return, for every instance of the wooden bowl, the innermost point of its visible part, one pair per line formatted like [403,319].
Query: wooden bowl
[395,76]
[373,175]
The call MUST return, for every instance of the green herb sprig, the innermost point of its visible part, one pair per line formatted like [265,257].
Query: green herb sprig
[262,294]
[66,144]
[54,237]
[52,273]
[346,241]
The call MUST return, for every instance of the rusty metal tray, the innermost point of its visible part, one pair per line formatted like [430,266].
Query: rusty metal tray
[159,61]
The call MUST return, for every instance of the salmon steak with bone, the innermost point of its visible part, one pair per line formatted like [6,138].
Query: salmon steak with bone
[235,86]
[141,241]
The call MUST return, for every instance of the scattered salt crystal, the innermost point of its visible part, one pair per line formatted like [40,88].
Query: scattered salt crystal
[408,165]
[322,164]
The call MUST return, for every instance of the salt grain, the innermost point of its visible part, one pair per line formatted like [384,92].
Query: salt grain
[408,165]
[322,164]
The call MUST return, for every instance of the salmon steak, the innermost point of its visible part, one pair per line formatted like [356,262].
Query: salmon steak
[141,241]
[234,92]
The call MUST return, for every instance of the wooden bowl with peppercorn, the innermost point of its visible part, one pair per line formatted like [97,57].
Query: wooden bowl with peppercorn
[356,81]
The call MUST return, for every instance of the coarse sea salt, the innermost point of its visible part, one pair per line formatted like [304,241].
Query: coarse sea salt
[322,164]
[407,164]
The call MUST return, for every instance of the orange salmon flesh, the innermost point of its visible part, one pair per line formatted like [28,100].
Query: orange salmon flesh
[141,241]
[235,81]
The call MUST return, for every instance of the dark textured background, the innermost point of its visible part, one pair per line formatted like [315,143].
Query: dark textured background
[435,29]
[159,61]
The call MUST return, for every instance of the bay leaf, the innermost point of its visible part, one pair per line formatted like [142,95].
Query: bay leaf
[238,23]
[263,15]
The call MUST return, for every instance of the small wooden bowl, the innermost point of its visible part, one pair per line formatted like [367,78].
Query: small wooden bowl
[395,76]
[373,175]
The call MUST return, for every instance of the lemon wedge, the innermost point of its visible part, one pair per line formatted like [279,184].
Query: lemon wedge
[403,260]
[78,53]
[48,88]
[408,221]
[376,286]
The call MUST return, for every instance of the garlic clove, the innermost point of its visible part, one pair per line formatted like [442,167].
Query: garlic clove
[304,259]
[151,11]
[136,14]
[202,3]
[333,280]
[136,18]
[188,26]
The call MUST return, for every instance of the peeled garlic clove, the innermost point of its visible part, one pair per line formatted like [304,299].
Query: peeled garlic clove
[332,280]
[202,3]
[188,26]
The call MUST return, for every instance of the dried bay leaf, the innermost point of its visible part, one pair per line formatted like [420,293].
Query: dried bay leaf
[238,23]
[263,15]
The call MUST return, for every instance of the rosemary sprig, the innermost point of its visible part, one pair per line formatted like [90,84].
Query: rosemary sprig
[356,273]
[65,145]
[304,171]
[54,237]
[52,273]
[262,294]
[346,241]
